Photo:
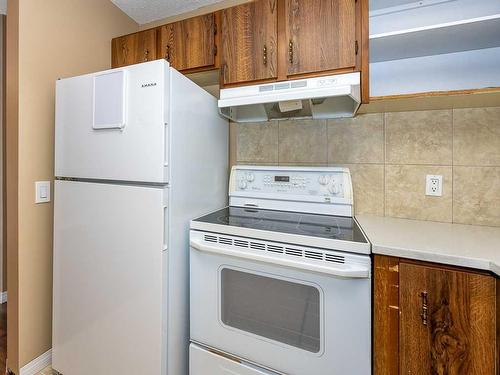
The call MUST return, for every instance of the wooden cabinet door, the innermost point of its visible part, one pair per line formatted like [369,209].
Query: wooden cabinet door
[320,35]
[146,50]
[123,50]
[249,42]
[133,48]
[447,324]
[189,44]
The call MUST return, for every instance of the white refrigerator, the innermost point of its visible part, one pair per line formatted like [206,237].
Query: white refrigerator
[139,152]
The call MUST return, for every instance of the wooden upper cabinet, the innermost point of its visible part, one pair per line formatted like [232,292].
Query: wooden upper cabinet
[189,44]
[320,35]
[133,48]
[249,35]
[260,41]
[123,50]
[447,321]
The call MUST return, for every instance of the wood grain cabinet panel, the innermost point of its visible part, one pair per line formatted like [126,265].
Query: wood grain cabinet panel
[447,324]
[133,48]
[320,35]
[123,50]
[433,319]
[189,44]
[249,42]
[386,316]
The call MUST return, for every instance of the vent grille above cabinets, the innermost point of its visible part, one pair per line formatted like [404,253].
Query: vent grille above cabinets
[277,249]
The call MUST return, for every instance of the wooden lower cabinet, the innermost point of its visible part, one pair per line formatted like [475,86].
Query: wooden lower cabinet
[431,319]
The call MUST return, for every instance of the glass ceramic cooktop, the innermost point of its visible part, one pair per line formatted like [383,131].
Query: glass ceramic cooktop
[324,226]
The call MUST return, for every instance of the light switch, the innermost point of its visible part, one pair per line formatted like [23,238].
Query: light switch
[42,191]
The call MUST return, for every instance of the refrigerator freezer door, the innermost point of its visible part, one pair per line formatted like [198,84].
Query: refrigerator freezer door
[108,278]
[112,125]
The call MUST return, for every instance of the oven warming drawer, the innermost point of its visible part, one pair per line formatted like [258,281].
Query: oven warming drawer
[202,361]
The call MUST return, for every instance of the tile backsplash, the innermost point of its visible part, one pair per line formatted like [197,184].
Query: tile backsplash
[389,155]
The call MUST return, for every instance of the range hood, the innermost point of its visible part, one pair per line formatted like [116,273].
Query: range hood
[317,98]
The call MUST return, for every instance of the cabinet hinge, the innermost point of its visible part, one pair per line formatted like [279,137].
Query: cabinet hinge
[356,47]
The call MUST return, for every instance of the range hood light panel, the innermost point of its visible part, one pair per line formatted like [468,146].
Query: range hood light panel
[290,105]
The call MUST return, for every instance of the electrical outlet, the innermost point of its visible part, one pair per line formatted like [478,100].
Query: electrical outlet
[434,185]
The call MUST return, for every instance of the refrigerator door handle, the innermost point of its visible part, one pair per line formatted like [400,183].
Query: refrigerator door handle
[165,229]
[166,146]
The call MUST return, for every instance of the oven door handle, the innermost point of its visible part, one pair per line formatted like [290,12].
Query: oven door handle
[349,272]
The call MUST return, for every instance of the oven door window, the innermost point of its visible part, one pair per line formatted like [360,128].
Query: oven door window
[280,310]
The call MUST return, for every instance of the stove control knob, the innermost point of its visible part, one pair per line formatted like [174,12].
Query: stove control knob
[323,179]
[334,188]
[242,184]
[250,177]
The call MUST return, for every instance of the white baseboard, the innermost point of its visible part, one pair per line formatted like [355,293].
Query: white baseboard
[3,297]
[38,364]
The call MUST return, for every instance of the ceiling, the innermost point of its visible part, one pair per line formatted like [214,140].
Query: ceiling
[144,11]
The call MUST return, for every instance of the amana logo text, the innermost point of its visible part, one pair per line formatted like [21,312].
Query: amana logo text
[149,84]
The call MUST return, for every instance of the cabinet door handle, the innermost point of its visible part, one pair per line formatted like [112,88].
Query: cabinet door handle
[425,308]
[290,51]
[265,55]
[146,55]
[167,53]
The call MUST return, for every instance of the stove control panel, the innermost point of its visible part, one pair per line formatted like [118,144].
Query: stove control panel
[291,183]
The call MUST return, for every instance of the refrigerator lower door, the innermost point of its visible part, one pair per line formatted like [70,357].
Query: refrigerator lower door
[108,278]
[205,362]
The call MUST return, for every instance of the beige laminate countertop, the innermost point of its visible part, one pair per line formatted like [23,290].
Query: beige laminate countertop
[453,244]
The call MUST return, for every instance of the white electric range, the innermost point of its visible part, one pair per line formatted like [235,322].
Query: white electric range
[281,279]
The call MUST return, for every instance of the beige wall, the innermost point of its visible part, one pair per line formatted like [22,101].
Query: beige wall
[11,171]
[3,274]
[57,38]
[390,154]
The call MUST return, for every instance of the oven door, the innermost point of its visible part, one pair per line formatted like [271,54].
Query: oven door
[293,312]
